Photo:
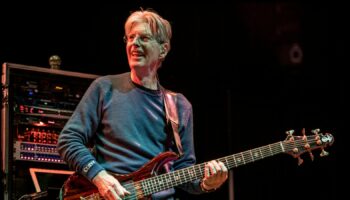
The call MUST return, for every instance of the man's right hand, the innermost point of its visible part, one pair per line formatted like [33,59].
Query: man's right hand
[109,187]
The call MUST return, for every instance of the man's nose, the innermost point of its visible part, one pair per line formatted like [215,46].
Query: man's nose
[136,41]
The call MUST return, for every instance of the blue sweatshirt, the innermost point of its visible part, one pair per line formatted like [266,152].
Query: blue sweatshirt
[125,123]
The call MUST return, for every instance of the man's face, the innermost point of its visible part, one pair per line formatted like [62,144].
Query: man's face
[142,48]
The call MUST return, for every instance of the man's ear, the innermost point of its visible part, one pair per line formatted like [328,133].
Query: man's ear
[164,49]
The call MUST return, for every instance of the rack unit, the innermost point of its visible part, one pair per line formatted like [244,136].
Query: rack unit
[36,104]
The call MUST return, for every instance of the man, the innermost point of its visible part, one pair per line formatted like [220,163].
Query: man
[124,117]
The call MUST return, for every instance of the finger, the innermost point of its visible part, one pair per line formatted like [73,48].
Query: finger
[224,170]
[206,170]
[223,167]
[212,168]
[111,194]
[120,190]
[126,192]
[217,167]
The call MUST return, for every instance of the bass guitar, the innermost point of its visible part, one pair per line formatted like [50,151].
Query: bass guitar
[146,181]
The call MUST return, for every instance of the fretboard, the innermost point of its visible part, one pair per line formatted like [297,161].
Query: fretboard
[178,177]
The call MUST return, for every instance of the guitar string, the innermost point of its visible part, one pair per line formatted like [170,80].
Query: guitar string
[268,150]
[265,151]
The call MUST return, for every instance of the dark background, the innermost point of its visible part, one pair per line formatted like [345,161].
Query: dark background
[231,60]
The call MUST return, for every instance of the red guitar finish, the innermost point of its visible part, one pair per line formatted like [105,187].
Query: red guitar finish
[77,187]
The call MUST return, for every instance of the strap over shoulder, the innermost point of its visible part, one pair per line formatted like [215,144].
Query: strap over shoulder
[172,117]
[170,106]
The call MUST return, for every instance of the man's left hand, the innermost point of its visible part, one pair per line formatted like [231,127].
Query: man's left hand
[215,174]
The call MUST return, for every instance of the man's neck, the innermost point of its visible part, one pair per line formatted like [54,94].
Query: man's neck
[150,81]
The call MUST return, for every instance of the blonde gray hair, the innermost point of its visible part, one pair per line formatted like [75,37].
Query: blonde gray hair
[160,27]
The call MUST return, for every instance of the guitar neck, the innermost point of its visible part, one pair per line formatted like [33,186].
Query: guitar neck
[178,177]
[141,187]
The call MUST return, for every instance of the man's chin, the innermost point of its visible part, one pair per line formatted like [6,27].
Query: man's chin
[136,66]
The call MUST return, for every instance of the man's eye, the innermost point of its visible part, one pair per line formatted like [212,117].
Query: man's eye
[131,37]
[145,38]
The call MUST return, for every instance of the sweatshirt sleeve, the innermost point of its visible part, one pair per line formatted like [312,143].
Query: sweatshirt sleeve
[79,131]
[188,158]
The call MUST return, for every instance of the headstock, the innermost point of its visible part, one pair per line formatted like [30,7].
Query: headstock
[297,145]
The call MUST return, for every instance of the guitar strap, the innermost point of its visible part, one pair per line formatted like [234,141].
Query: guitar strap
[172,119]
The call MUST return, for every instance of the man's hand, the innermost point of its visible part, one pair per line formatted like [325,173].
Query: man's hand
[215,174]
[109,187]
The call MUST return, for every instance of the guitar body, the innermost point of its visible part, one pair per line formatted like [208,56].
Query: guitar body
[77,187]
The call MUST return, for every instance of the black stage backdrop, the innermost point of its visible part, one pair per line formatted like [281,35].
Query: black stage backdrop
[251,70]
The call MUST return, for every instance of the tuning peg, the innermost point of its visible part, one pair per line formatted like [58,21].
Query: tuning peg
[290,132]
[315,131]
[307,147]
[324,153]
[300,161]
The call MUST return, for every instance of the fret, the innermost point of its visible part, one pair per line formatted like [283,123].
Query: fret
[176,177]
[191,172]
[226,163]
[247,157]
[242,157]
[200,170]
[234,160]
[265,151]
[286,147]
[282,147]
[186,175]
[161,182]
[238,159]
[274,146]
[251,154]
[201,173]
[168,180]
[255,154]
[147,186]
[262,155]
[150,185]
[183,177]
[144,187]
[153,186]
[271,153]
